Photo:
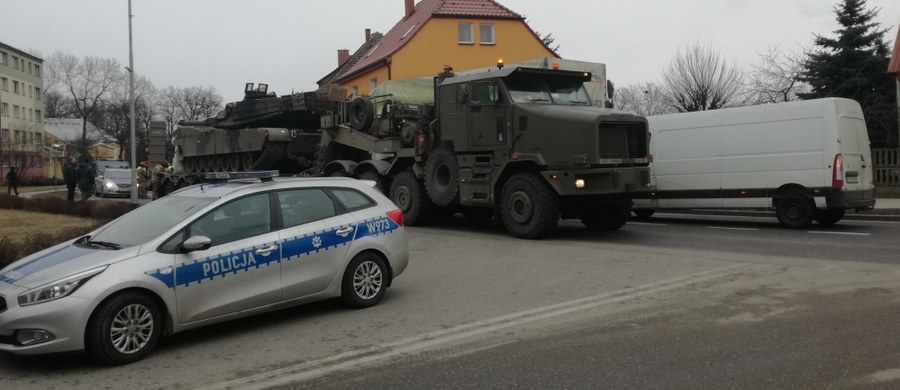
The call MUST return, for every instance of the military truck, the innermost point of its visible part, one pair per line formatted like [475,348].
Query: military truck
[525,144]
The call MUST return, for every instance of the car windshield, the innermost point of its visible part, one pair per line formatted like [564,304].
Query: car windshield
[118,174]
[547,90]
[149,221]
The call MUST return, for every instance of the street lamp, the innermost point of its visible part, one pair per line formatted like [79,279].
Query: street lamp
[134,189]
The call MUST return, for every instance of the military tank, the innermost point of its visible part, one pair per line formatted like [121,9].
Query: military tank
[261,132]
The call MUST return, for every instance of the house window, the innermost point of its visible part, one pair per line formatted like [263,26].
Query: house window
[3,58]
[37,93]
[354,92]
[37,116]
[4,83]
[15,61]
[486,32]
[30,91]
[30,114]
[15,87]
[17,137]
[4,109]
[30,68]
[4,135]
[37,70]
[373,83]
[466,33]
[15,111]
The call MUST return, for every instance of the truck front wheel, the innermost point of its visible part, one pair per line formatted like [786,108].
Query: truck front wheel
[529,207]
[408,193]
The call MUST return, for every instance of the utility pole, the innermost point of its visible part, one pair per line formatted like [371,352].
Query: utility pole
[134,189]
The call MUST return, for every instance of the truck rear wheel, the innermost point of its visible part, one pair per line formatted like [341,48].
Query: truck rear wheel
[795,211]
[529,207]
[408,193]
[442,177]
[377,178]
[608,217]
[830,216]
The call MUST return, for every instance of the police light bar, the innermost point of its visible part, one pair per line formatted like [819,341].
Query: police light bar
[262,175]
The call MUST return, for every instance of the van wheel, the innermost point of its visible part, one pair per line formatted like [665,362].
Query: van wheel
[529,207]
[643,213]
[830,216]
[795,211]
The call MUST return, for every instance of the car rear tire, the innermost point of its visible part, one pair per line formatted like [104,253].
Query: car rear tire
[795,211]
[365,281]
[124,328]
[830,216]
[529,206]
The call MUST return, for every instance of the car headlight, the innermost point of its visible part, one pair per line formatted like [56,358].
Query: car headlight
[58,289]
[110,185]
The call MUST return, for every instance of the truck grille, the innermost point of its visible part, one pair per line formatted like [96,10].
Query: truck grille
[623,140]
[2,304]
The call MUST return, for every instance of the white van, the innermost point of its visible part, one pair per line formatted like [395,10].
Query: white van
[809,160]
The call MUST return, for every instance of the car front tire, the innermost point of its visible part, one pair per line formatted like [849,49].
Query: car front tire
[124,329]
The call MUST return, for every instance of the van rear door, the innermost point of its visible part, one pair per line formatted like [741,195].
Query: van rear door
[855,153]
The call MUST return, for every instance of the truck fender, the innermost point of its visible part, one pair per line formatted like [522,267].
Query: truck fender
[338,165]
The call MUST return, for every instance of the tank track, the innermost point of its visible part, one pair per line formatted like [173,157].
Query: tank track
[274,152]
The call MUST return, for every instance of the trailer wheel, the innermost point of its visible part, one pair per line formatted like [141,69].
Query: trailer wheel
[362,113]
[529,207]
[377,178]
[795,211]
[408,193]
[830,216]
[442,177]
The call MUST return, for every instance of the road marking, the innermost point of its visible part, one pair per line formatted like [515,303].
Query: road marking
[408,346]
[839,233]
[731,228]
[647,223]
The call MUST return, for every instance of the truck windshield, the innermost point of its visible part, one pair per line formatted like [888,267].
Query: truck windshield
[547,90]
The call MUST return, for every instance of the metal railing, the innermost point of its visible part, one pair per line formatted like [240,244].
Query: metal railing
[886,166]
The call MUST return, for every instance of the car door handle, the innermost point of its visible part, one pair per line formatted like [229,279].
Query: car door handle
[266,250]
[344,232]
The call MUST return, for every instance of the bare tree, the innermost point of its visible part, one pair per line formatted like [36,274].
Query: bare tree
[190,103]
[87,81]
[548,40]
[58,105]
[113,118]
[699,78]
[775,78]
[647,98]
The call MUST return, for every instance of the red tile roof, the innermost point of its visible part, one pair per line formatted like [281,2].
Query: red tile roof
[894,66]
[407,27]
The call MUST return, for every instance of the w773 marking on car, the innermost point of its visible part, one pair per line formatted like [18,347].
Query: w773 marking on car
[247,259]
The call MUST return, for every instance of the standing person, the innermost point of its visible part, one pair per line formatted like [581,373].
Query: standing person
[156,178]
[170,169]
[12,181]
[141,175]
[86,178]
[70,176]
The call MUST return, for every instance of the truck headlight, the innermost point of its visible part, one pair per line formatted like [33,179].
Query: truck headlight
[579,183]
[58,289]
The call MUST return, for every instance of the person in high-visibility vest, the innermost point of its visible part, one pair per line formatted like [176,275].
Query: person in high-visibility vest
[141,175]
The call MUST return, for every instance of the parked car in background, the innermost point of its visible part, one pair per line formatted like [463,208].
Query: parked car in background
[202,255]
[113,181]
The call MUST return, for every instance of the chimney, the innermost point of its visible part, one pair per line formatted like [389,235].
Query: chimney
[343,56]
[368,34]
[410,7]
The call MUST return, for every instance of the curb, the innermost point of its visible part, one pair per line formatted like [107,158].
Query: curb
[883,214]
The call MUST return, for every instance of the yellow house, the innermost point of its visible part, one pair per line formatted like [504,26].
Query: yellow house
[464,34]
[61,137]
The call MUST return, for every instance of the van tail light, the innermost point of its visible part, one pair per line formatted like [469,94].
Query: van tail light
[396,216]
[837,177]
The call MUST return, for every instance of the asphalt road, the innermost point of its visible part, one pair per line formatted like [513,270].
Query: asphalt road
[677,301]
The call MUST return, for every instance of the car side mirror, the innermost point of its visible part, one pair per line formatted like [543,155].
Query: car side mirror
[196,243]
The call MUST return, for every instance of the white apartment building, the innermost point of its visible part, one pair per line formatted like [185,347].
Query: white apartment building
[21,113]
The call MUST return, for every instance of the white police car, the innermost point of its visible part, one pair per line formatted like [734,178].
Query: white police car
[202,255]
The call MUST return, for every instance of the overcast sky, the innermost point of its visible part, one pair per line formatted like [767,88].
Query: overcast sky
[290,44]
